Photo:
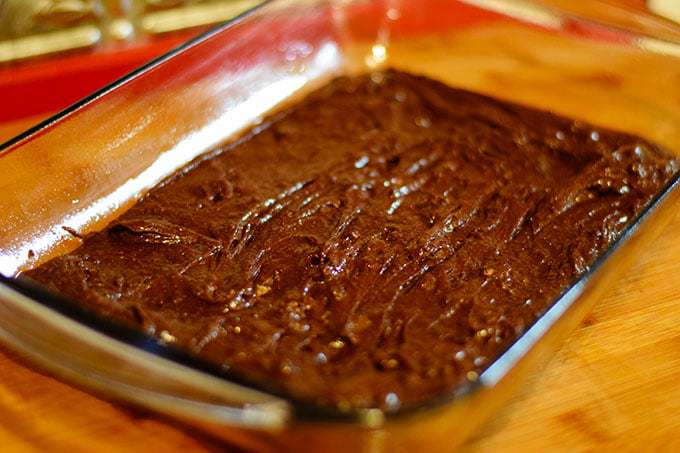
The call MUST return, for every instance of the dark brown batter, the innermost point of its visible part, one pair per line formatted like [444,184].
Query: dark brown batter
[376,244]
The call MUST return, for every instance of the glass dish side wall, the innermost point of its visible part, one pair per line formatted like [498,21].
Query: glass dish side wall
[91,163]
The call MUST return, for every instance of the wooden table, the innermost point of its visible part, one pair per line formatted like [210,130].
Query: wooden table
[613,385]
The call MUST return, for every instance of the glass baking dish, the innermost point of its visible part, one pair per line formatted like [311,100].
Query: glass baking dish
[77,171]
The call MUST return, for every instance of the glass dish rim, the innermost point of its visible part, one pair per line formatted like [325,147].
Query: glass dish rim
[303,409]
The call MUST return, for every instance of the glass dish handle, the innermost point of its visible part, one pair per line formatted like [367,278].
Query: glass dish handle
[128,373]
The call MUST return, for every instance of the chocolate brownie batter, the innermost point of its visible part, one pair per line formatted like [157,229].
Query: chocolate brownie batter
[375,245]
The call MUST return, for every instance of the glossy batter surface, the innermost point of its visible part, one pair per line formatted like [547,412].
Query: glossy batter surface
[377,244]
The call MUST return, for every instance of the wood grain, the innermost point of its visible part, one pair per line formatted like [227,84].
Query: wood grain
[612,386]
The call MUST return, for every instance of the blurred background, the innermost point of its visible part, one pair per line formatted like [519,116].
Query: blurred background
[54,52]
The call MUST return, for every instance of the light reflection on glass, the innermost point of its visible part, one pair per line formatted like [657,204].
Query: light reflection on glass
[270,86]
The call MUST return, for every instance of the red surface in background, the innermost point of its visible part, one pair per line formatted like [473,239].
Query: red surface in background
[48,85]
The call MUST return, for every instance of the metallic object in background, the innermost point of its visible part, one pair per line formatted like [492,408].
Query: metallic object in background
[154,20]
[31,28]
[20,18]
